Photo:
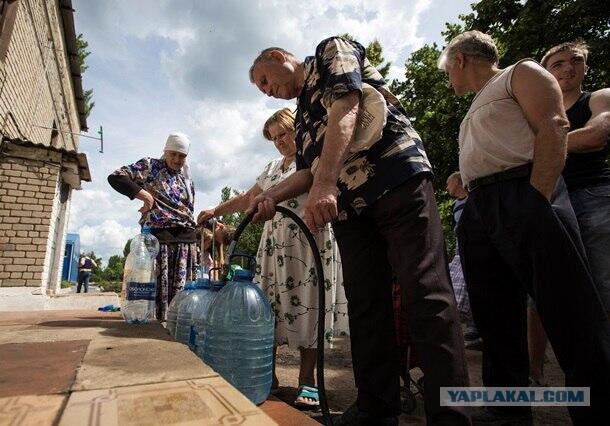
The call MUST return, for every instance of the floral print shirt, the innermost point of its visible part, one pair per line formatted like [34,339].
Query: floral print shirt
[174,194]
[339,67]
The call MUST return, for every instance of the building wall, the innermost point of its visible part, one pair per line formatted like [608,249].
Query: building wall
[36,87]
[28,194]
[35,92]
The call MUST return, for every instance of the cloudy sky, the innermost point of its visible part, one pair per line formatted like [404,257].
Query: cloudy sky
[158,66]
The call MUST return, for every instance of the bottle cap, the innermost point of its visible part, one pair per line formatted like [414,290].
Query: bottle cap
[190,285]
[242,275]
[146,230]
[202,283]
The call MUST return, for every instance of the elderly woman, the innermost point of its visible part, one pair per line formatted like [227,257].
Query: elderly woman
[165,187]
[286,263]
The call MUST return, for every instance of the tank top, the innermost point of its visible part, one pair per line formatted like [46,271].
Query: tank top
[495,135]
[588,168]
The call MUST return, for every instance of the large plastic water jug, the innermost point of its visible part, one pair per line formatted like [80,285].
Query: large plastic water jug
[197,300]
[172,309]
[239,337]
[200,317]
[140,282]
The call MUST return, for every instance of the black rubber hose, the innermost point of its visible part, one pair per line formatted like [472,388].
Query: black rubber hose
[321,298]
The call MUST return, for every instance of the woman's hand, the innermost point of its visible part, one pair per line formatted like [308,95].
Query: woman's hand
[149,201]
[205,215]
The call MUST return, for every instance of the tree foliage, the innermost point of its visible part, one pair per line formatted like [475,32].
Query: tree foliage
[250,238]
[374,53]
[82,46]
[112,272]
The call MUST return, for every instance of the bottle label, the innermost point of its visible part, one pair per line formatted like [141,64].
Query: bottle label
[141,291]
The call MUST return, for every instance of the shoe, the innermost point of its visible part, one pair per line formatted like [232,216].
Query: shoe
[493,416]
[354,417]
[307,397]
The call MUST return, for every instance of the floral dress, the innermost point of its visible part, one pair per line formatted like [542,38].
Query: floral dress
[286,273]
[171,220]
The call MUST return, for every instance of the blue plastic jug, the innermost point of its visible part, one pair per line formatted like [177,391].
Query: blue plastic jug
[187,307]
[239,337]
[200,316]
[172,309]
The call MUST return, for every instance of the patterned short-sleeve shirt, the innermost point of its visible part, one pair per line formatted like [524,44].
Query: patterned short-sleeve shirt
[339,67]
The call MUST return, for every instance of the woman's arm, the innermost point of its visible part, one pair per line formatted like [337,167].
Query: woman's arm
[238,203]
[129,180]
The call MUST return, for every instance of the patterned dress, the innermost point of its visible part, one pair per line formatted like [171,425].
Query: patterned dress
[174,196]
[286,273]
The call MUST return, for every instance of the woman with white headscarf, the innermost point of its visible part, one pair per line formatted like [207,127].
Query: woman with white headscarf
[165,187]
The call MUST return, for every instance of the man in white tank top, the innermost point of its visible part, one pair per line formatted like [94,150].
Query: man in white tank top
[518,234]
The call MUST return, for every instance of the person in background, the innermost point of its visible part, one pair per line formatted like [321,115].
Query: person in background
[518,232]
[286,262]
[586,172]
[85,267]
[455,189]
[165,187]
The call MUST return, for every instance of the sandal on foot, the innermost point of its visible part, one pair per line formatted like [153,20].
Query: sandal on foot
[309,392]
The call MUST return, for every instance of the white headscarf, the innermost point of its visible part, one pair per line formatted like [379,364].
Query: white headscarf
[179,142]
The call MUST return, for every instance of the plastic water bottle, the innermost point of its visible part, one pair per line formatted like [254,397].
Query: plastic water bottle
[239,337]
[150,241]
[199,298]
[140,284]
[172,309]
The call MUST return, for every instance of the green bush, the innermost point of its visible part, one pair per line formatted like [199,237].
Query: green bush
[445,210]
[66,284]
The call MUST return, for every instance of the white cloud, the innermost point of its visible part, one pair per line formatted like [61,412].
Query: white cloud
[105,238]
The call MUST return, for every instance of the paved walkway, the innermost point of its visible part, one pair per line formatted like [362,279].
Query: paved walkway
[91,368]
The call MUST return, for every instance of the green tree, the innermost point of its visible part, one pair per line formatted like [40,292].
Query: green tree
[114,269]
[374,53]
[250,238]
[82,46]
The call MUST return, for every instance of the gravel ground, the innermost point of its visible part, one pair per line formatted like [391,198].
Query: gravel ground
[341,391]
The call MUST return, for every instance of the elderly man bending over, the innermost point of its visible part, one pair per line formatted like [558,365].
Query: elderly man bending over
[376,189]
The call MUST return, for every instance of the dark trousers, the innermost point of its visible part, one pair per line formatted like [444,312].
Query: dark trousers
[401,235]
[83,279]
[513,242]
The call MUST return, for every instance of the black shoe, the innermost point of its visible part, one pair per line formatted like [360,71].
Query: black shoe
[354,417]
[493,416]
